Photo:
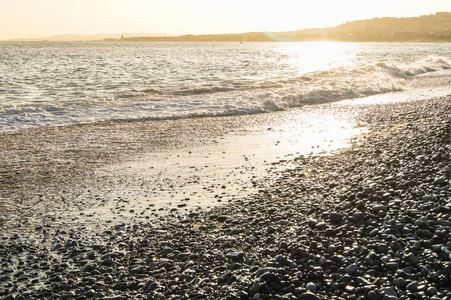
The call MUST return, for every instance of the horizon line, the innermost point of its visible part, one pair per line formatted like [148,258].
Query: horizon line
[103,36]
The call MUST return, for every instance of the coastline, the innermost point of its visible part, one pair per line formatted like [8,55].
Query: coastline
[75,169]
[371,221]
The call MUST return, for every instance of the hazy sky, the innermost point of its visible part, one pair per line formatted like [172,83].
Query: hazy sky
[27,18]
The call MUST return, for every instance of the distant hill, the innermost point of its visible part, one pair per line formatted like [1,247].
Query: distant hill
[89,37]
[428,28]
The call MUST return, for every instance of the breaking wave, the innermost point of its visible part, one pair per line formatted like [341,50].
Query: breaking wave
[218,92]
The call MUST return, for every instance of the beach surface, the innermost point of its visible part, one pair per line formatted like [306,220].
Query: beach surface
[112,172]
[96,174]
[348,200]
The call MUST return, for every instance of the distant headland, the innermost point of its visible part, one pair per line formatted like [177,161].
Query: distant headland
[426,28]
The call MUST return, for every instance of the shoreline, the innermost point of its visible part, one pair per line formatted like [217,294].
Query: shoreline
[55,168]
[76,170]
[370,221]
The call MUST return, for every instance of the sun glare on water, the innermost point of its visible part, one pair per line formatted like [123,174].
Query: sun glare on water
[318,56]
[320,132]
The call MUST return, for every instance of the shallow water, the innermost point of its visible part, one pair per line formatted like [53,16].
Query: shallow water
[45,84]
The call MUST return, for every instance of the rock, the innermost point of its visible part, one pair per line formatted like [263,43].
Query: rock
[262,271]
[311,287]
[390,297]
[388,291]
[107,262]
[359,216]
[391,265]
[360,205]
[255,287]
[256,296]
[335,217]
[411,258]
[443,222]
[400,283]
[412,287]
[363,281]
[88,268]
[382,248]
[309,296]
[372,295]
[120,286]
[284,222]
[352,269]
[379,208]
[270,230]
[359,195]
[221,218]
[431,291]
[236,256]
[320,225]
[377,228]
[424,225]
[395,246]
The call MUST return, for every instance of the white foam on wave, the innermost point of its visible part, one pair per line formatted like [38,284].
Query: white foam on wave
[424,65]
[230,96]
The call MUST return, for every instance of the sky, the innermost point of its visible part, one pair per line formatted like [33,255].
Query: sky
[42,18]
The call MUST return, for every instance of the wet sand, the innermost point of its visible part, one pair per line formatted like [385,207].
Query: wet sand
[112,172]
[90,174]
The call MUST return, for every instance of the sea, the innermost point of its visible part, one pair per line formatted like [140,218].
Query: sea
[61,84]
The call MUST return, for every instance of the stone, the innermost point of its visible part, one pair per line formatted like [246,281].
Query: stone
[236,256]
[378,208]
[120,286]
[400,283]
[311,287]
[335,217]
[382,248]
[424,225]
[255,287]
[443,222]
[391,265]
[388,291]
[359,216]
[412,287]
[309,296]
[431,291]
[88,268]
[395,246]
[412,259]
[372,295]
[352,269]
[270,229]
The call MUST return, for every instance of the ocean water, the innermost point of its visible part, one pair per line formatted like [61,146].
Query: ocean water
[48,84]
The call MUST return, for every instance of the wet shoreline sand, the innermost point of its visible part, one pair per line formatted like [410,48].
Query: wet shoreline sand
[50,171]
[371,221]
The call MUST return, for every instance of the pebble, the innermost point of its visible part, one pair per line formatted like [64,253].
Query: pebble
[311,287]
[352,269]
[335,217]
[235,255]
[309,296]
[375,227]
[431,291]
[412,287]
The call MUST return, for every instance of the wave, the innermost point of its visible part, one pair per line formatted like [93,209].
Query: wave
[421,66]
[233,97]
[395,71]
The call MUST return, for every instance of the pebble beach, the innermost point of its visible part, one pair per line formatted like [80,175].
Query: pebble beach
[369,221]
